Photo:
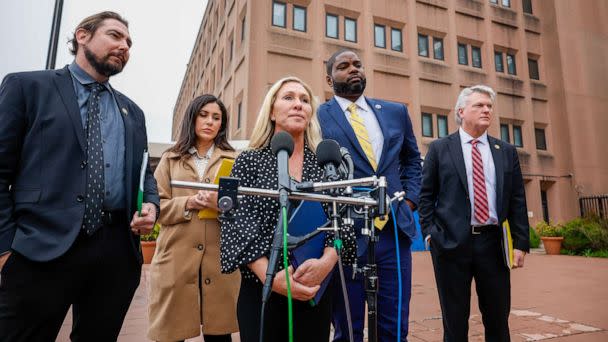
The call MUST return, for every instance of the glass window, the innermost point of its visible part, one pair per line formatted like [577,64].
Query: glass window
[541,142]
[238,116]
[427,125]
[517,139]
[423,45]
[231,47]
[533,67]
[463,58]
[442,126]
[379,38]
[350,30]
[511,65]
[527,6]
[299,18]
[504,133]
[331,26]
[438,48]
[396,42]
[494,2]
[243,29]
[498,62]
[278,14]
[506,3]
[476,56]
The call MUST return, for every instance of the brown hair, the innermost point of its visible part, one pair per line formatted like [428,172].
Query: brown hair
[187,135]
[91,24]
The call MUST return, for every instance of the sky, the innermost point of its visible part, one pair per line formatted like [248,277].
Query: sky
[163,37]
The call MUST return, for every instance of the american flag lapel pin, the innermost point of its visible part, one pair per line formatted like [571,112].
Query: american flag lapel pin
[124,111]
[496,146]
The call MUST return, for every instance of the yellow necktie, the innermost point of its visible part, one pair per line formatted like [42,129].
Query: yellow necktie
[363,136]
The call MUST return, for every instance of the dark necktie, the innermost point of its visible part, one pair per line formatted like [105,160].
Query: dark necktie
[480,199]
[95,177]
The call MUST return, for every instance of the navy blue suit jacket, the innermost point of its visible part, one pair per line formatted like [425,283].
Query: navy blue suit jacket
[42,175]
[400,160]
[445,208]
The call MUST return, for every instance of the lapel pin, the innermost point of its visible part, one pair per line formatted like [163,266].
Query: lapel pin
[496,146]
[124,111]
[378,106]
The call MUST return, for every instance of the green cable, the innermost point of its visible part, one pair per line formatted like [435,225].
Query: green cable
[286,266]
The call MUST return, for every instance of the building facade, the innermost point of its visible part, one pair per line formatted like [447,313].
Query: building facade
[547,60]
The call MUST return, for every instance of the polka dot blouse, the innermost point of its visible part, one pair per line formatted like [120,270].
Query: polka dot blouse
[248,236]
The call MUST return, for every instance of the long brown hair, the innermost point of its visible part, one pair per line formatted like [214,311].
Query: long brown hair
[187,135]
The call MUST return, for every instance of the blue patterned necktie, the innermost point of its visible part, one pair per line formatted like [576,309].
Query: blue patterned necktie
[95,176]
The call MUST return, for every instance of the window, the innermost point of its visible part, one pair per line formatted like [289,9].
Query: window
[396,40]
[504,133]
[442,126]
[494,2]
[427,125]
[545,204]
[423,45]
[463,57]
[476,56]
[517,139]
[533,68]
[350,30]
[527,7]
[238,116]
[243,29]
[231,49]
[511,64]
[498,62]
[220,70]
[379,38]
[299,18]
[331,26]
[437,48]
[506,3]
[541,142]
[278,14]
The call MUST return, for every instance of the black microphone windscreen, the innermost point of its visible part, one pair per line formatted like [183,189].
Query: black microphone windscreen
[282,141]
[328,151]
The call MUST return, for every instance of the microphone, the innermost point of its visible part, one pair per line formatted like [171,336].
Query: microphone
[347,166]
[329,158]
[282,146]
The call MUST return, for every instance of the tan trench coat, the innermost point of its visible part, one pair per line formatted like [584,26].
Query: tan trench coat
[184,246]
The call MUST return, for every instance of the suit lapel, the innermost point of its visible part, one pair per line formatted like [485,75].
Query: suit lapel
[382,121]
[499,168]
[127,119]
[64,84]
[336,113]
[455,147]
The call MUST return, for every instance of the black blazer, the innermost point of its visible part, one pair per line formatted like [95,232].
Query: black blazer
[445,208]
[42,175]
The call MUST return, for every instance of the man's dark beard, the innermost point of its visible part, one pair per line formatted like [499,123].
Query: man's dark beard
[349,89]
[102,66]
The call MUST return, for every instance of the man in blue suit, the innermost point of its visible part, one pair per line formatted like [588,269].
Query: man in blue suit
[380,138]
[71,149]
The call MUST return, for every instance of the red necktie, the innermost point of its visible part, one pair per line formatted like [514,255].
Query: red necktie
[480,199]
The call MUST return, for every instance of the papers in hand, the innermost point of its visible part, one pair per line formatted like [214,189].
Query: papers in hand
[223,171]
[507,245]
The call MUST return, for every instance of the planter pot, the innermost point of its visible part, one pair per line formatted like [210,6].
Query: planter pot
[552,244]
[147,250]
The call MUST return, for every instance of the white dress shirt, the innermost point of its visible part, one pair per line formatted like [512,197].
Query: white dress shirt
[488,169]
[374,131]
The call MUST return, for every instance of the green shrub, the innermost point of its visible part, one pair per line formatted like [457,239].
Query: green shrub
[534,239]
[576,236]
[547,229]
[153,234]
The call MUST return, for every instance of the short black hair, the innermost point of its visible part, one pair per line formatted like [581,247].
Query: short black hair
[330,62]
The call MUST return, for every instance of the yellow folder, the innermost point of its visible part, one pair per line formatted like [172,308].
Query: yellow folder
[223,171]
[507,244]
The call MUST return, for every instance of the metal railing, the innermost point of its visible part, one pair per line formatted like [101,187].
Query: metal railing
[594,205]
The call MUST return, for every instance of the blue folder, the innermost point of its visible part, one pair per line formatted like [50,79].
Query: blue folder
[307,217]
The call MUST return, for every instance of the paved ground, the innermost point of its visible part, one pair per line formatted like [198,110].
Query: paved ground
[562,298]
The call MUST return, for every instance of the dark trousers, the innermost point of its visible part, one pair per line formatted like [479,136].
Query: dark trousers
[98,276]
[310,323]
[387,306]
[482,261]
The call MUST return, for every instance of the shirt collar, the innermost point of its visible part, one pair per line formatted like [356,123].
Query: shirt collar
[83,78]
[344,103]
[193,151]
[466,138]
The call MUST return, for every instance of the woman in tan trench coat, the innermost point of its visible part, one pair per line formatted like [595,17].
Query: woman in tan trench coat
[187,289]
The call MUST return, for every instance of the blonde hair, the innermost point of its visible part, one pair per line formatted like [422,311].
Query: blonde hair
[264,127]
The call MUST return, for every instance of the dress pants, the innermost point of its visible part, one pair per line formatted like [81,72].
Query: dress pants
[388,294]
[310,323]
[481,260]
[98,276]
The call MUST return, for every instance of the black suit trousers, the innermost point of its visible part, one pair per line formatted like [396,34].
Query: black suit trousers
[98,276]
[480,259]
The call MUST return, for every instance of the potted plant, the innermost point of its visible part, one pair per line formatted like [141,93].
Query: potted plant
[148,244]
[551,236]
